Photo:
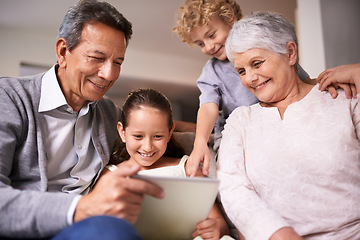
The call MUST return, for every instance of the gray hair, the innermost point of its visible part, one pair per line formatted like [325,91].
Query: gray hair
[270,31]
[91,11]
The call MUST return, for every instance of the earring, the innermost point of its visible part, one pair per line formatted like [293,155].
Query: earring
[290,61]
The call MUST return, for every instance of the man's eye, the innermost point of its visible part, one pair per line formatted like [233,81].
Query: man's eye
[117,63]
[97,59]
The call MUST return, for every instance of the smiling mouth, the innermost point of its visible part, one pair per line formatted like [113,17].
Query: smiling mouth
[262,84]
[217,51]
[146,155]
[100,86]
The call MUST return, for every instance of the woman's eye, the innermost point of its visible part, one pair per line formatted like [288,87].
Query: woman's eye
[241,71]
[257,64]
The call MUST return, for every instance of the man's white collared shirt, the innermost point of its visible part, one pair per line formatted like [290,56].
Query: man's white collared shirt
[73,161]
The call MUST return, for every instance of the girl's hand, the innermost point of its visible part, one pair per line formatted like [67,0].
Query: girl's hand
[286,233]
[208,229]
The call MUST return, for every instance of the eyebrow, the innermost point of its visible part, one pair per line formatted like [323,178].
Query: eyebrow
[99,52]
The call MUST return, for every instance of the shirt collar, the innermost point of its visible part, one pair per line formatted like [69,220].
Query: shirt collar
[51,95]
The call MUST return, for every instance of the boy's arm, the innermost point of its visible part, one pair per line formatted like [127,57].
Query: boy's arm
[207,115]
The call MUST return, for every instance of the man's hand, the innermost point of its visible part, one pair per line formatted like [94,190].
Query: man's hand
[346,77]
[117,194]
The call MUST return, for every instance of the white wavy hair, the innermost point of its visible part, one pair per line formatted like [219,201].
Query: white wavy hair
[270,31]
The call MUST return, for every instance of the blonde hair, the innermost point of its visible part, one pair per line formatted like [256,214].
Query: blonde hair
[199,12]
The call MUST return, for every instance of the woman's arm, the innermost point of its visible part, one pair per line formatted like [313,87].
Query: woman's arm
[247,211]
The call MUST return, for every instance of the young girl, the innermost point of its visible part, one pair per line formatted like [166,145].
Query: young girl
[206,23]
[146,129]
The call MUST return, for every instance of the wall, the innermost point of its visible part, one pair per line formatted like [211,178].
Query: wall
[341,31]
[173,75]
[328,32]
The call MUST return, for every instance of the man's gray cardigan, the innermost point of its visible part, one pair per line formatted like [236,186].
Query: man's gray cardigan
[26,208]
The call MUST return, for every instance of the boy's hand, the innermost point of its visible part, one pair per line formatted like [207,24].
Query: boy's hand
[208,229]
[199,154]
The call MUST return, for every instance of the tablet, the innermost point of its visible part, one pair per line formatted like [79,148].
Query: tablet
[187,201]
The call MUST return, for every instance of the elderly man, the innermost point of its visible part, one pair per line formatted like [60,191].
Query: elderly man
[56,136]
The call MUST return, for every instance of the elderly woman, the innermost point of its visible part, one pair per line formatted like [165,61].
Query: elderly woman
[289,166]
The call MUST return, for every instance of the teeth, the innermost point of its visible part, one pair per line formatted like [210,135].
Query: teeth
[261,84]
[146,155]
[99,86]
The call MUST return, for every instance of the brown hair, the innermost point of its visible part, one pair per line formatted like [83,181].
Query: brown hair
[200,12]
[135,100]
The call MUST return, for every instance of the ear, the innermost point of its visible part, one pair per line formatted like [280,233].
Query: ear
[121,131]
[61,51]
[291,53]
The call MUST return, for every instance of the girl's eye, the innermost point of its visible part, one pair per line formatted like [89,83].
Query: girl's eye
[137,136]
[158,136]
[201,44]
[212,35]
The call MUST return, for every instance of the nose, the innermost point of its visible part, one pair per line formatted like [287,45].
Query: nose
[250,77]
[209,46]
[147,145]
[108,71]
